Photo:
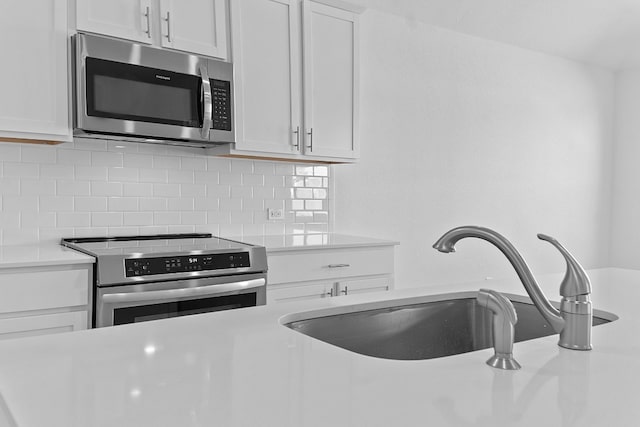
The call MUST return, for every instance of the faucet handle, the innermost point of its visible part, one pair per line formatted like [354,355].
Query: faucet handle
[576,281]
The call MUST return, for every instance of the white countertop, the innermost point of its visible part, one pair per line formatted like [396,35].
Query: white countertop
[289,242]
[40,255]
[242,368]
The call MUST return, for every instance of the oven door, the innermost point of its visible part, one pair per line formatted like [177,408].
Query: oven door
[118,305]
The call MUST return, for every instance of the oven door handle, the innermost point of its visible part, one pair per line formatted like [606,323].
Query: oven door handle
[169,294]
[207,102]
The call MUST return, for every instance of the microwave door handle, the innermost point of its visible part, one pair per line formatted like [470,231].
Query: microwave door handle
[171,294]
[207,103]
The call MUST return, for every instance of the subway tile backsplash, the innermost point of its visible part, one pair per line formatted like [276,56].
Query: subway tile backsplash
[93,188]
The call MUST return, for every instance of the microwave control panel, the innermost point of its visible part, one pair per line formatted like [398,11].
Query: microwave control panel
[136,267]
[221,97]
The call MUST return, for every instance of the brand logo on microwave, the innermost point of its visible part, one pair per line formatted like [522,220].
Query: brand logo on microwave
[162,77]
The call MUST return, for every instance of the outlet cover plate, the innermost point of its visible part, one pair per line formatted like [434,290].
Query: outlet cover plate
[275,214]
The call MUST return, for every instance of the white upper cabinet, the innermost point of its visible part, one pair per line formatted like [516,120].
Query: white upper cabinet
[195,26]
[126,19]
[330,75]
[266,55]
[296,81]
[33,79]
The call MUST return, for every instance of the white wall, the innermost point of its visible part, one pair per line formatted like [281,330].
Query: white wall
[459,130]
[625,248]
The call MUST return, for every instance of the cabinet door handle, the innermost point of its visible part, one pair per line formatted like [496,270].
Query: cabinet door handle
[297,132]
[310,133]
[168,19]
[330,293]
[338,265]
[345,290]
[146,15]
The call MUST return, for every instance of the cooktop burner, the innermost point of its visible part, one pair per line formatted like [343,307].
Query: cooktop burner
[156,244]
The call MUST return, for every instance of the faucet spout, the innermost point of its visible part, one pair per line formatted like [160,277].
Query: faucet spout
[447,243]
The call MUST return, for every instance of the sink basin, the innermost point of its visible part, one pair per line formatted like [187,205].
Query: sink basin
[420,328]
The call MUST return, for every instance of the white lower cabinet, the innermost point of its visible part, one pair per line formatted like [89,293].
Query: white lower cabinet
[44,300]
[364,285]
[44,324]
[300,275]
[299,292]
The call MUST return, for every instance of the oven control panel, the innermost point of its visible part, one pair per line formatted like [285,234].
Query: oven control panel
[135,267]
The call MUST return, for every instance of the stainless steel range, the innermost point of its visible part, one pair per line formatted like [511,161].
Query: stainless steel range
[142,278]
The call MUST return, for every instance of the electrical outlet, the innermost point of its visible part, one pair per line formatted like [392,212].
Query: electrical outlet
[275,213]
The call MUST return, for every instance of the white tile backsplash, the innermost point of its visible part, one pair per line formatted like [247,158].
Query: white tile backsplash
[119,174]
[99,158]
[21,170]
[54,203]
[37,187]
[67,187]
[92,188]
[106,219]
[9,152]
[90,204]
[55,171]
[73,219]
[37,154]
[91,173]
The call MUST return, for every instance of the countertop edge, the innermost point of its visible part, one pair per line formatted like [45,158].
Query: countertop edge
[309,242]
[40,255]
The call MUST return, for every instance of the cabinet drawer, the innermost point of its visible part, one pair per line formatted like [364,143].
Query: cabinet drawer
[45,324]
[299,293]
[365,285]
[329,264]
[37,289]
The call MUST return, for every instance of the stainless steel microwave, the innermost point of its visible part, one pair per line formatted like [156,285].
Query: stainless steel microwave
[129,91]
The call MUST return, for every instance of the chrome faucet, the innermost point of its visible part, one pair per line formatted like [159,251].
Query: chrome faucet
[573,321]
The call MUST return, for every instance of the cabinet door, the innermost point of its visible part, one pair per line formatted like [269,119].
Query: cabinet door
[266,54]
[45,324]
[126,19]
[331,57]
[302,292]
[47,288]
[33,78]
[196,26]
[364,285]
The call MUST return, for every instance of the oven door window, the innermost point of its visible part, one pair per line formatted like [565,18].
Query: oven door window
[144,313]
[131,92]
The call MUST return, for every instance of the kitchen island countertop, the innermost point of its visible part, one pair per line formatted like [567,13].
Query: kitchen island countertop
[242,368]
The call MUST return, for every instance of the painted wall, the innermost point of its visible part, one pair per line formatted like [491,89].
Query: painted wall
[459,130]
[625,248]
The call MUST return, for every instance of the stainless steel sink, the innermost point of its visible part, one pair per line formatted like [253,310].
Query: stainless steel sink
[422,328]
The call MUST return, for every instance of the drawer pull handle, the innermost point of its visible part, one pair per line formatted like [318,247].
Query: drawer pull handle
[338,265]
